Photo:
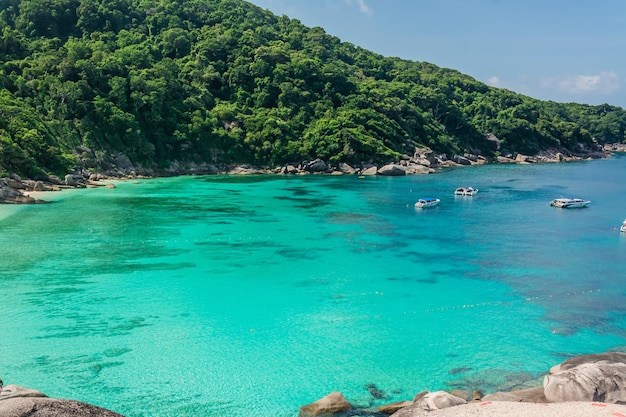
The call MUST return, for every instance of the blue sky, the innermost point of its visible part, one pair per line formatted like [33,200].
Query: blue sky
[561,50]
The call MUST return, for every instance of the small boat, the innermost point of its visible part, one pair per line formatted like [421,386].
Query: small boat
[623,227]
[465,191]
[569,202]
[427,202]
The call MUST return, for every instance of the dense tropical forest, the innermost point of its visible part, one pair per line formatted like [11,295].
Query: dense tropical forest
[224,81]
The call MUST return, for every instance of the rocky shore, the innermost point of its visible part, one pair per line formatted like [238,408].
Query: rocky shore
[582,386]
[17,401]
[15,190]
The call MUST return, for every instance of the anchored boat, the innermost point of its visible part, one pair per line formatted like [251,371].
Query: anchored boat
[427,202]
[569,202]
[465,191]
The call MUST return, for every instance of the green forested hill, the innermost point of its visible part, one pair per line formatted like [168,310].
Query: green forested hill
[224,81]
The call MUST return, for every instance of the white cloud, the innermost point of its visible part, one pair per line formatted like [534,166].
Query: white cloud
[494,81]
[589,89]
[604,83]
[363,7]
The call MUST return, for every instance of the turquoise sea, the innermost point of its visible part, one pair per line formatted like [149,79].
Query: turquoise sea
[254,295]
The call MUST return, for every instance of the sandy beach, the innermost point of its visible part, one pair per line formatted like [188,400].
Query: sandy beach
[523,409]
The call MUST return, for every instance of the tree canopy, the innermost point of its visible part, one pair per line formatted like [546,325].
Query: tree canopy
[225,81]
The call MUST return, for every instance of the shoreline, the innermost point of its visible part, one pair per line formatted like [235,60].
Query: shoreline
[15,190]
[525,409]
[582,386]
[592,385]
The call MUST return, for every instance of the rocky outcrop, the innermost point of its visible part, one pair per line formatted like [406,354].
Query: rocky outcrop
[606,357]
[592,379]
[615,147]
[39,186]
[17,401]
[50,407]
[504,160]
[372,170]
[333,403]
[471,157]
[438,400]
[316,165]
[9,195]
[75,180]
[123,162]
[245,170]
[492,141]
[14,190]
[523,159]
[392,170]
[461,160]
[16,391]
[346,168]
[466,395]
[424,156]
[15,182]
[289,169]
[389,409]
[418,170]
[430,402]
[588,378]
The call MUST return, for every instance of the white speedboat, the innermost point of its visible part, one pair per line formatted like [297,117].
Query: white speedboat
[465,191]
[623,227]
[569,202]
[427,202]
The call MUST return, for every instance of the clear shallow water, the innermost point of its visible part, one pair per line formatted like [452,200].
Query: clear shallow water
[238,296]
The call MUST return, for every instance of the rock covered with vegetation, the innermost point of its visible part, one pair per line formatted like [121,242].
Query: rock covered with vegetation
[223,82]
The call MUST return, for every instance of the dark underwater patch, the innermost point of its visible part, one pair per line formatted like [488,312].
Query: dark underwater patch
[461,370]
[96,368]
[106,328]
[494,380]
[296,253]
[300,191]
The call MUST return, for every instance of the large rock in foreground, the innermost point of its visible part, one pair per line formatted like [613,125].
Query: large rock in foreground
[333,403]
[14,391]
[50,407]
[430,402]
[17,401]
[608,357]
[588,378]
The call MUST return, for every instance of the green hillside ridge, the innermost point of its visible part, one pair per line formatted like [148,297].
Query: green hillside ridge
[223,81]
